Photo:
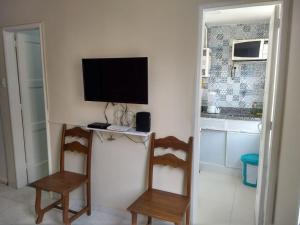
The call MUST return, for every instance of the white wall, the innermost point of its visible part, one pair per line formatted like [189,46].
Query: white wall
[166,32]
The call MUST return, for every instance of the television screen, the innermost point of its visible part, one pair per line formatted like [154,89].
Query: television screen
[120,80]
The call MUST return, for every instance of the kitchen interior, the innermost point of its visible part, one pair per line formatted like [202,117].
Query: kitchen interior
[233,70]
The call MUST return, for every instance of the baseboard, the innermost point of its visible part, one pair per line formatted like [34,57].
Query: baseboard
[3,181]
[220,169]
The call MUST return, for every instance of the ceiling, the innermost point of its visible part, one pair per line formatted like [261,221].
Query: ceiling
[239,15]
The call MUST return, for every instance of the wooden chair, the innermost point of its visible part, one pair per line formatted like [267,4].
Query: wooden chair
[161,204]
[63,182]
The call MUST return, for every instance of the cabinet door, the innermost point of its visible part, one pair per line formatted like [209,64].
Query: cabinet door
[239,144]
[212,147]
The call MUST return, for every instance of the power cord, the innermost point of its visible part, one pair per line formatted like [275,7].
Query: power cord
[105,109]
[105,112]
[112,137]
[124,116]
[137,142]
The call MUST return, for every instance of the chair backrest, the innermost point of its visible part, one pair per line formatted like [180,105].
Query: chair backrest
[169,159]
[76,146]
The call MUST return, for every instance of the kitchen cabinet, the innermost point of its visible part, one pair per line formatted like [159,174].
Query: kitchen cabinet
[223,141]
[237,144]
[212,145]
[230,125]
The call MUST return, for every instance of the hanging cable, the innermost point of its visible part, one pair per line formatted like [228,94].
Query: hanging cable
[105,112]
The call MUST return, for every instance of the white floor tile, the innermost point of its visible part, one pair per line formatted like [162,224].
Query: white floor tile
[246,194]
[4,188]
[217,188]
[24,195]
[243,208]
[19,214]
[7,203]
[224,200]
[98,218]
[214,212]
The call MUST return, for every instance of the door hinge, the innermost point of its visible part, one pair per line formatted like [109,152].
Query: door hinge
[277,22]
[15,41]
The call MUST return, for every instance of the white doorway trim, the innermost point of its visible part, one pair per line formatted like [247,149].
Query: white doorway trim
[3,156]
[19,160]
[270,199]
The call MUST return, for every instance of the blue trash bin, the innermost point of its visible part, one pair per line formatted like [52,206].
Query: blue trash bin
[250,169]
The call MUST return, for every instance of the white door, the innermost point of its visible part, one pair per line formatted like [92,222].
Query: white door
[32,100]
[266,137]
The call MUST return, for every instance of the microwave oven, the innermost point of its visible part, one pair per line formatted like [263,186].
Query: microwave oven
[246,50]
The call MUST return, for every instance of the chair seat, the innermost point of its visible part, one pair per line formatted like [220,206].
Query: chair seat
[161,205]
[61,182]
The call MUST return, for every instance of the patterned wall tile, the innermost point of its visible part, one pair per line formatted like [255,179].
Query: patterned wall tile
[246,85]
[235,98]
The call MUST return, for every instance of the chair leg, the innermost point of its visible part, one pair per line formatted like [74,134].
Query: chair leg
[38,208]
[88,193]
[187,216]
[65,205]
[149,220]
[134,218]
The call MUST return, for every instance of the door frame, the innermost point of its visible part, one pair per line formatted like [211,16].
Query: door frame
[19,161]
[266,217]
[3,180]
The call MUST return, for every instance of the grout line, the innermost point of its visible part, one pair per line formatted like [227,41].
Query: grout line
[233,202]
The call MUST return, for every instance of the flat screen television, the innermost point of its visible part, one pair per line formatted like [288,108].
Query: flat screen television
[119,80]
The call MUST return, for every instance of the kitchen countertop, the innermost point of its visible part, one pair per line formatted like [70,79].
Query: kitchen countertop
[232,114]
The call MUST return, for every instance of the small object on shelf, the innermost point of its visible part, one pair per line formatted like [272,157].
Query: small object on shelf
[143,121]
[99,125]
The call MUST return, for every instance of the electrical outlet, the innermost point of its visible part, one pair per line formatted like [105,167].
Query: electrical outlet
[3,82]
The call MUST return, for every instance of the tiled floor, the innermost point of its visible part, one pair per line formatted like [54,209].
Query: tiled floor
[17,207]
[224,200]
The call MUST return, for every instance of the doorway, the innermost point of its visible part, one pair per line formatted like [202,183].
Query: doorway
[26,83]
[222,140]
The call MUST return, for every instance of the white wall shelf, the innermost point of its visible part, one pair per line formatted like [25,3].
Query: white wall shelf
[144,136]
[131,131]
